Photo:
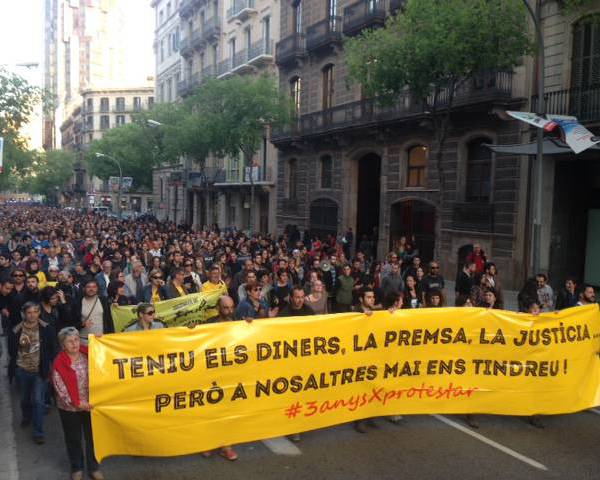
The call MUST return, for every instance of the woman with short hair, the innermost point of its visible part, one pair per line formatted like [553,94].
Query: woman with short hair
[71,384]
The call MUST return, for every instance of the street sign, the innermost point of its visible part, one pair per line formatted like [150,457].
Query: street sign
[113,183]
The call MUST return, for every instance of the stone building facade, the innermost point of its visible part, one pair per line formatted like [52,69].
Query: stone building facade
[349,162]
[571,193]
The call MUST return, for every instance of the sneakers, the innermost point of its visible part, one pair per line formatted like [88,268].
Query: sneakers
[38,440]
[229,454]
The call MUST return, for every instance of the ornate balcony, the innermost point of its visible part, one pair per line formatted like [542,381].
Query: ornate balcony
[187,86]
[240,62]
[185,46]
[483,88]
[583,103]
[324,33]
[290,49]
[261,52]
[211,29]
[186,8]
[209,72]
[224,68]
[241,10]
[470,216]
[363,14]
[241,176]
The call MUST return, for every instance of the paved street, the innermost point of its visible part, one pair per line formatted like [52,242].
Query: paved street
[419,447]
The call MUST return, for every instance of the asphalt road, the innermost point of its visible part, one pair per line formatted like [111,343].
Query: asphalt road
[420,447]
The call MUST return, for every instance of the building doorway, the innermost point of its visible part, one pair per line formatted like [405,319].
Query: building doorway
[575,222]
[415,220]
[368,198]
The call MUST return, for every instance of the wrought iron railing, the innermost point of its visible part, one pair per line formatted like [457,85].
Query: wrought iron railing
[363,14]
[324,33]
[290,48]
[581,102]
[471,216]
[239,6]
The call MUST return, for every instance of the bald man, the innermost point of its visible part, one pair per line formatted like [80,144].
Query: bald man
[226,307]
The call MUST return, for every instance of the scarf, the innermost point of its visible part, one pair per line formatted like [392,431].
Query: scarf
[62,365]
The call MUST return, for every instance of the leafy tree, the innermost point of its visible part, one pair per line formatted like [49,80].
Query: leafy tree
[131,145]
[17,103]
[50,171]
[230,116]
[432,48]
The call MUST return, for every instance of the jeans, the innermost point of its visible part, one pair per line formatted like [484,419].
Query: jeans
[32,389]
[74,425]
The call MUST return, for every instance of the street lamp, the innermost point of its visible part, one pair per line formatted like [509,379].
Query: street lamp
[541,111]
[103,155]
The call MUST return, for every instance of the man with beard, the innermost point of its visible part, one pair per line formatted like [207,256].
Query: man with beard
[91,313]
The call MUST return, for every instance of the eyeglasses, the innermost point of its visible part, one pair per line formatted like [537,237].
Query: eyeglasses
[18,275]
[435,268]
[256,289]
[150,312]
[156,277]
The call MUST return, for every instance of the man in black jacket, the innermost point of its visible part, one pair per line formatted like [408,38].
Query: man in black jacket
[32,348]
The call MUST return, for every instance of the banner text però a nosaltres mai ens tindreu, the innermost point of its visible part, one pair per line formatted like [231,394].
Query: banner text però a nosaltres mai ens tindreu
[177,391]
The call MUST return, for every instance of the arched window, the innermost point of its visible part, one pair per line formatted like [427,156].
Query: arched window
[479,171]
[291,179]
[326,171]
[296,93]
[585,69]
[416,167]
[328,86]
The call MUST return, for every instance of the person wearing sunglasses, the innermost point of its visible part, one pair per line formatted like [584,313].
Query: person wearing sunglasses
[146,314]
[433,280]
[155,290]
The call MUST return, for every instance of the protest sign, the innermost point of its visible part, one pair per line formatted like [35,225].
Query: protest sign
[178,391]
[188,310]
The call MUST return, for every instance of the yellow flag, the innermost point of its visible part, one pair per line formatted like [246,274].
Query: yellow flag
[177,391]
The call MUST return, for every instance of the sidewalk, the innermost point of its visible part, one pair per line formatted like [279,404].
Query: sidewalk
[510,297]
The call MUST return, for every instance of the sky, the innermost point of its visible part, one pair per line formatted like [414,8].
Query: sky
[22,41]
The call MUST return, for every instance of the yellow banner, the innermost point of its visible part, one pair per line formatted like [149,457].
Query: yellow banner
[184,311]
[178,391]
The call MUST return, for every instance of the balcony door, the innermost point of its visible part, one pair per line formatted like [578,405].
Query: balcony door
[297,16]
[585,68]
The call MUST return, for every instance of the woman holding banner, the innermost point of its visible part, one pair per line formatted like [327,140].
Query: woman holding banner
[71,384]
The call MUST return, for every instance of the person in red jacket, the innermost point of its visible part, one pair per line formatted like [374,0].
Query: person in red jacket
[477,256]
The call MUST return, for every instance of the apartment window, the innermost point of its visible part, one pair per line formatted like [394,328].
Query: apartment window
[479,172]
[90,104]
[104,122]
[326,171]
[168,10]
[151,101]
[137,103]
[585,71]
[232,48]
[292,176]
[295,93]
[248,33]
[266,34]
[161,17]
[162,50]
[120,120]
[176,40]
[104,104]
[297,16]
[89,122]
[417,166]
[120,104]
[327,82]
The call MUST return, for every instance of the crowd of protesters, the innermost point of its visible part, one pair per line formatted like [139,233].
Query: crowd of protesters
[60,272]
